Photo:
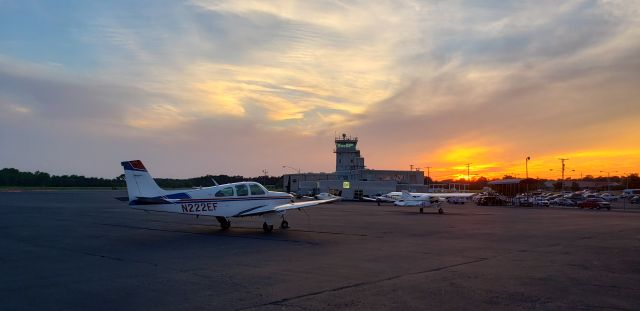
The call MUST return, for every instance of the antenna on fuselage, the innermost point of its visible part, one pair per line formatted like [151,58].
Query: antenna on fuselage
[214,181]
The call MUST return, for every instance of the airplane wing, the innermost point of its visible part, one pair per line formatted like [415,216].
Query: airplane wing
[378,199]
[450,195]
[283,207]
[370,199]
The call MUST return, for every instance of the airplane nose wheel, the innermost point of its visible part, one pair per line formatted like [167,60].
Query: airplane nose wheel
[421,210]
[284,224]
[267,228]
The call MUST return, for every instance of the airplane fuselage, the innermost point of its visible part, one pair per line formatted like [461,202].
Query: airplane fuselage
[227,200]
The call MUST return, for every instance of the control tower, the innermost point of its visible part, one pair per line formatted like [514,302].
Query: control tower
[348,159]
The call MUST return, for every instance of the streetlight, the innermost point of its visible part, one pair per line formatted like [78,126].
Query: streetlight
[526,166]
[608,175]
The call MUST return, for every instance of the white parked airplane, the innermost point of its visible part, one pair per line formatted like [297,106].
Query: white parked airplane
[241,199]
[323,196]
[422,200]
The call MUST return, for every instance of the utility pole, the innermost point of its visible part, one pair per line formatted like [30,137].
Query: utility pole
[429,176]
[411,167]
[562,180]
[526,168]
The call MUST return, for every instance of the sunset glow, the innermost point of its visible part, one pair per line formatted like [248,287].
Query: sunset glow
[236,87]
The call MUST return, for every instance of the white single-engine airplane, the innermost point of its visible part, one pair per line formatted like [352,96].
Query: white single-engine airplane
[422,200]
[241,199]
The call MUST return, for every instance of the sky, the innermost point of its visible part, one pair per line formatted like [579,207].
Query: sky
[237,87]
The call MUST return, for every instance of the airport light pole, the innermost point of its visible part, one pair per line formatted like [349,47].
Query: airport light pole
[265,172]
[627,174]
[526,166]
[562,180]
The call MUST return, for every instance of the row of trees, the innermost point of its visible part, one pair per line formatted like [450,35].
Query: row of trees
[11,177]
[14,177]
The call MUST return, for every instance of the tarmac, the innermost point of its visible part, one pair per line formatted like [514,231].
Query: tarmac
[84,250]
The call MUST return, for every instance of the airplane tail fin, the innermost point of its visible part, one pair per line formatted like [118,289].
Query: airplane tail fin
[139,181]
[406,195]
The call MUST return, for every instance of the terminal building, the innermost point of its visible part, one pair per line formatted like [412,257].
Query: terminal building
[352,180]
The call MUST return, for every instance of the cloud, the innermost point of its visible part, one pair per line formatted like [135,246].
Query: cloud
[421,82]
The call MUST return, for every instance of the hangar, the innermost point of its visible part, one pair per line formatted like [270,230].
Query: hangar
[352,180]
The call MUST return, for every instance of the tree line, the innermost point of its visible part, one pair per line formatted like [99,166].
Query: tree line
[11,177]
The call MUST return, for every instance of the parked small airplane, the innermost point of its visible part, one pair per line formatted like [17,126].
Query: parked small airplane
[422,200]
[323,196]
[241,199]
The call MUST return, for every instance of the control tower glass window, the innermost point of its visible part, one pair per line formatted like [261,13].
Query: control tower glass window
[345,145]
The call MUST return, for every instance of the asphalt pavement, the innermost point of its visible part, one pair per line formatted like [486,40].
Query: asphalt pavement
[84,250]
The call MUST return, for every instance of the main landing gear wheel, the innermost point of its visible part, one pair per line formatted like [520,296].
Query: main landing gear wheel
[421,210]
[267,228]
[284,224]
[225,224]
[440,211]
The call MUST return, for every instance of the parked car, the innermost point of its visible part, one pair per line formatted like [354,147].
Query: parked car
[563,202]
[609,197]
[523,201]
[635,199]
[491,201]
[575,197]
[630,193]
[596,203]
[541,201]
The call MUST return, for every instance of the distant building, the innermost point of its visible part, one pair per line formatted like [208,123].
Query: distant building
[508,187]
[352,179]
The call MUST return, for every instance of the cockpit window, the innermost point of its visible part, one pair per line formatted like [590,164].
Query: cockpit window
[256,189]
[225,192]
[242,190]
